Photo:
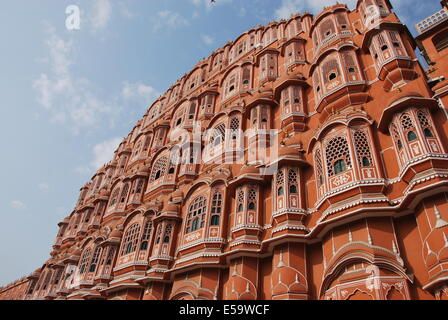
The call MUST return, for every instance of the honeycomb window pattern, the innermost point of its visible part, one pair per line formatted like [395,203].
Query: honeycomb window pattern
[337,149]
[362,148]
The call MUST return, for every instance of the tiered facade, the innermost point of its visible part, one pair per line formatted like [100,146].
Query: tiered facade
[307,159]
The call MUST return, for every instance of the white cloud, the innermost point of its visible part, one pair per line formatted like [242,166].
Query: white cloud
[169,19]
[242,12]
[66,97]
[104,152]
[18,205]
[289,7]
[44,187]
[102,12]
[208,40]
[139,90]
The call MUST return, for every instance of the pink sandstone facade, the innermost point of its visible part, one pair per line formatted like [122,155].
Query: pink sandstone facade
[307,159]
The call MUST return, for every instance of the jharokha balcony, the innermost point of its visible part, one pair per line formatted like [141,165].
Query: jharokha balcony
[305,160]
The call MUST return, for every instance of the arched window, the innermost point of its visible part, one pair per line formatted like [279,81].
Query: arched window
[362,148]
[124,193]
[280,191]
[47,279]
[319,168]
[240,201]
[234,127]
[365,162]
[195,224]
[84,260]
[396,136]
[425,124]
[196,214]
[252,198]
[293,181]
[339,166]
[110,256]
[130,239]
[159,233]
[218,135]
[412,136]
[168,231]
[159,168]
[338,156]
[327,28]
[406,122]
[146,236]
[95,258]
[280,178]
[139,186]
[114,197]
[330,70]
[87,216]
[292,189]
[216,209]
[246,75]
[428,133]
[231,84]
[214,221]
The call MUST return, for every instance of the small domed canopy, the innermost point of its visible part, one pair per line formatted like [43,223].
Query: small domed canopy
[402,101]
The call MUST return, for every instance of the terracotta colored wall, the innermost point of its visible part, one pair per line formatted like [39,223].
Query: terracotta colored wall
[279,223]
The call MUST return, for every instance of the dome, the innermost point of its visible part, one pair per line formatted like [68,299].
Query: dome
[397,97]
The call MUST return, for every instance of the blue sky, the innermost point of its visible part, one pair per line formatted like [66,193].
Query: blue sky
[68,97]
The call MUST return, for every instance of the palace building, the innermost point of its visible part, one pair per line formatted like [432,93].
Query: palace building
[307,159]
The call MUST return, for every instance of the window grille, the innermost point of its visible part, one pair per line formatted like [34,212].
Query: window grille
[159,168]
[337,149]
[362,148]
[196,214]
[130,239]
